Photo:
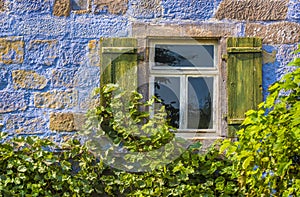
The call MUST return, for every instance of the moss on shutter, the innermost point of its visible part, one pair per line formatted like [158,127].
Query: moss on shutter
[244,82]
[118,62]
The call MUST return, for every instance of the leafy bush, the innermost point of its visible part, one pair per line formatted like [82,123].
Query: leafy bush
[32,167]
[267,153]
[145,157]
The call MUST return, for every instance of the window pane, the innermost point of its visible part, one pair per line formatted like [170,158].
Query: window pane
[200,98]
[167,89]
[184,55]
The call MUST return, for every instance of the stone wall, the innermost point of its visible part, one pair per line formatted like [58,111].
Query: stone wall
[49,57]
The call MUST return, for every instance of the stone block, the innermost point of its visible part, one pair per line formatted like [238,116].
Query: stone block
[111,6]
[26,124]
[22,7]
[12,101]
[56,99]
[253,10]
[4,78]
[64,78]
[146,8]
[294,13]
[61,8]
[95,25]
[73,53]
[45,25]
[2,6]
[42,52]
[212,30]
[187,30]
[11,50]
[62,122]
[275,33]
[80,4]
[188,9]
[66,121]
[28,80]
[5,24]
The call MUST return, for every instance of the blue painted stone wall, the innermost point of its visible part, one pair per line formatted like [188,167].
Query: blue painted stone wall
[49,53]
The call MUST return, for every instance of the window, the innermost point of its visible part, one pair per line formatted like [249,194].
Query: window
[184,75]
[206,96]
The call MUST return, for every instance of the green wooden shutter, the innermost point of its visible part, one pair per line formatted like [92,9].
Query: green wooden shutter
[244,82]
[118,61]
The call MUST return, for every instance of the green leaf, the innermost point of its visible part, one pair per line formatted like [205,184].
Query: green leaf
[247,161]
[22,169]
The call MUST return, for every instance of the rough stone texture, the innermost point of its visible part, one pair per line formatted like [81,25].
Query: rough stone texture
[46,26]
[94,52]
[67,121]
[112,6]
[275,33]
[253,10]
[11,50]
[80,4]
[30,6]
[64,78]
[3,78]
[23,124]
[72,53]
[201,30]
[28,80]
[62,122]
[284,56]
[56,99]
[188,9]
[269,57]
[5,24]
[42,52]
[294,13]
[12,101]
[112,27]
[212,30]
[2,8]
[61,8]
[146,8]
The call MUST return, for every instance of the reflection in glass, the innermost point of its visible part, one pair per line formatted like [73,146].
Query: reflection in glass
[184,55]
[200,97]
[167,89]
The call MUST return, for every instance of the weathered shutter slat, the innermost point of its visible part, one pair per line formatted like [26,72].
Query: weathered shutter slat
[118,62]
[244,66]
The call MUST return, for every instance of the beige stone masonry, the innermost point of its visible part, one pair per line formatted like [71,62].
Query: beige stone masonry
[28,80]
[62,122]
[275,33]
[61,8]
[2,8]
[186,30]
[114,6]
[11,50]
[253,10]
[66,121]
[56,99]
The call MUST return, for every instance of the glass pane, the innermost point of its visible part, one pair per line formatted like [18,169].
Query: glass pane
[184,55]
[200,102]
[167,89]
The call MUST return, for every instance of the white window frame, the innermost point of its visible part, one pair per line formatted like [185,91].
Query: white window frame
[184,73]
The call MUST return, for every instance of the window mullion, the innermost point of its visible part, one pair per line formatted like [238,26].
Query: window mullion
[183,102]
